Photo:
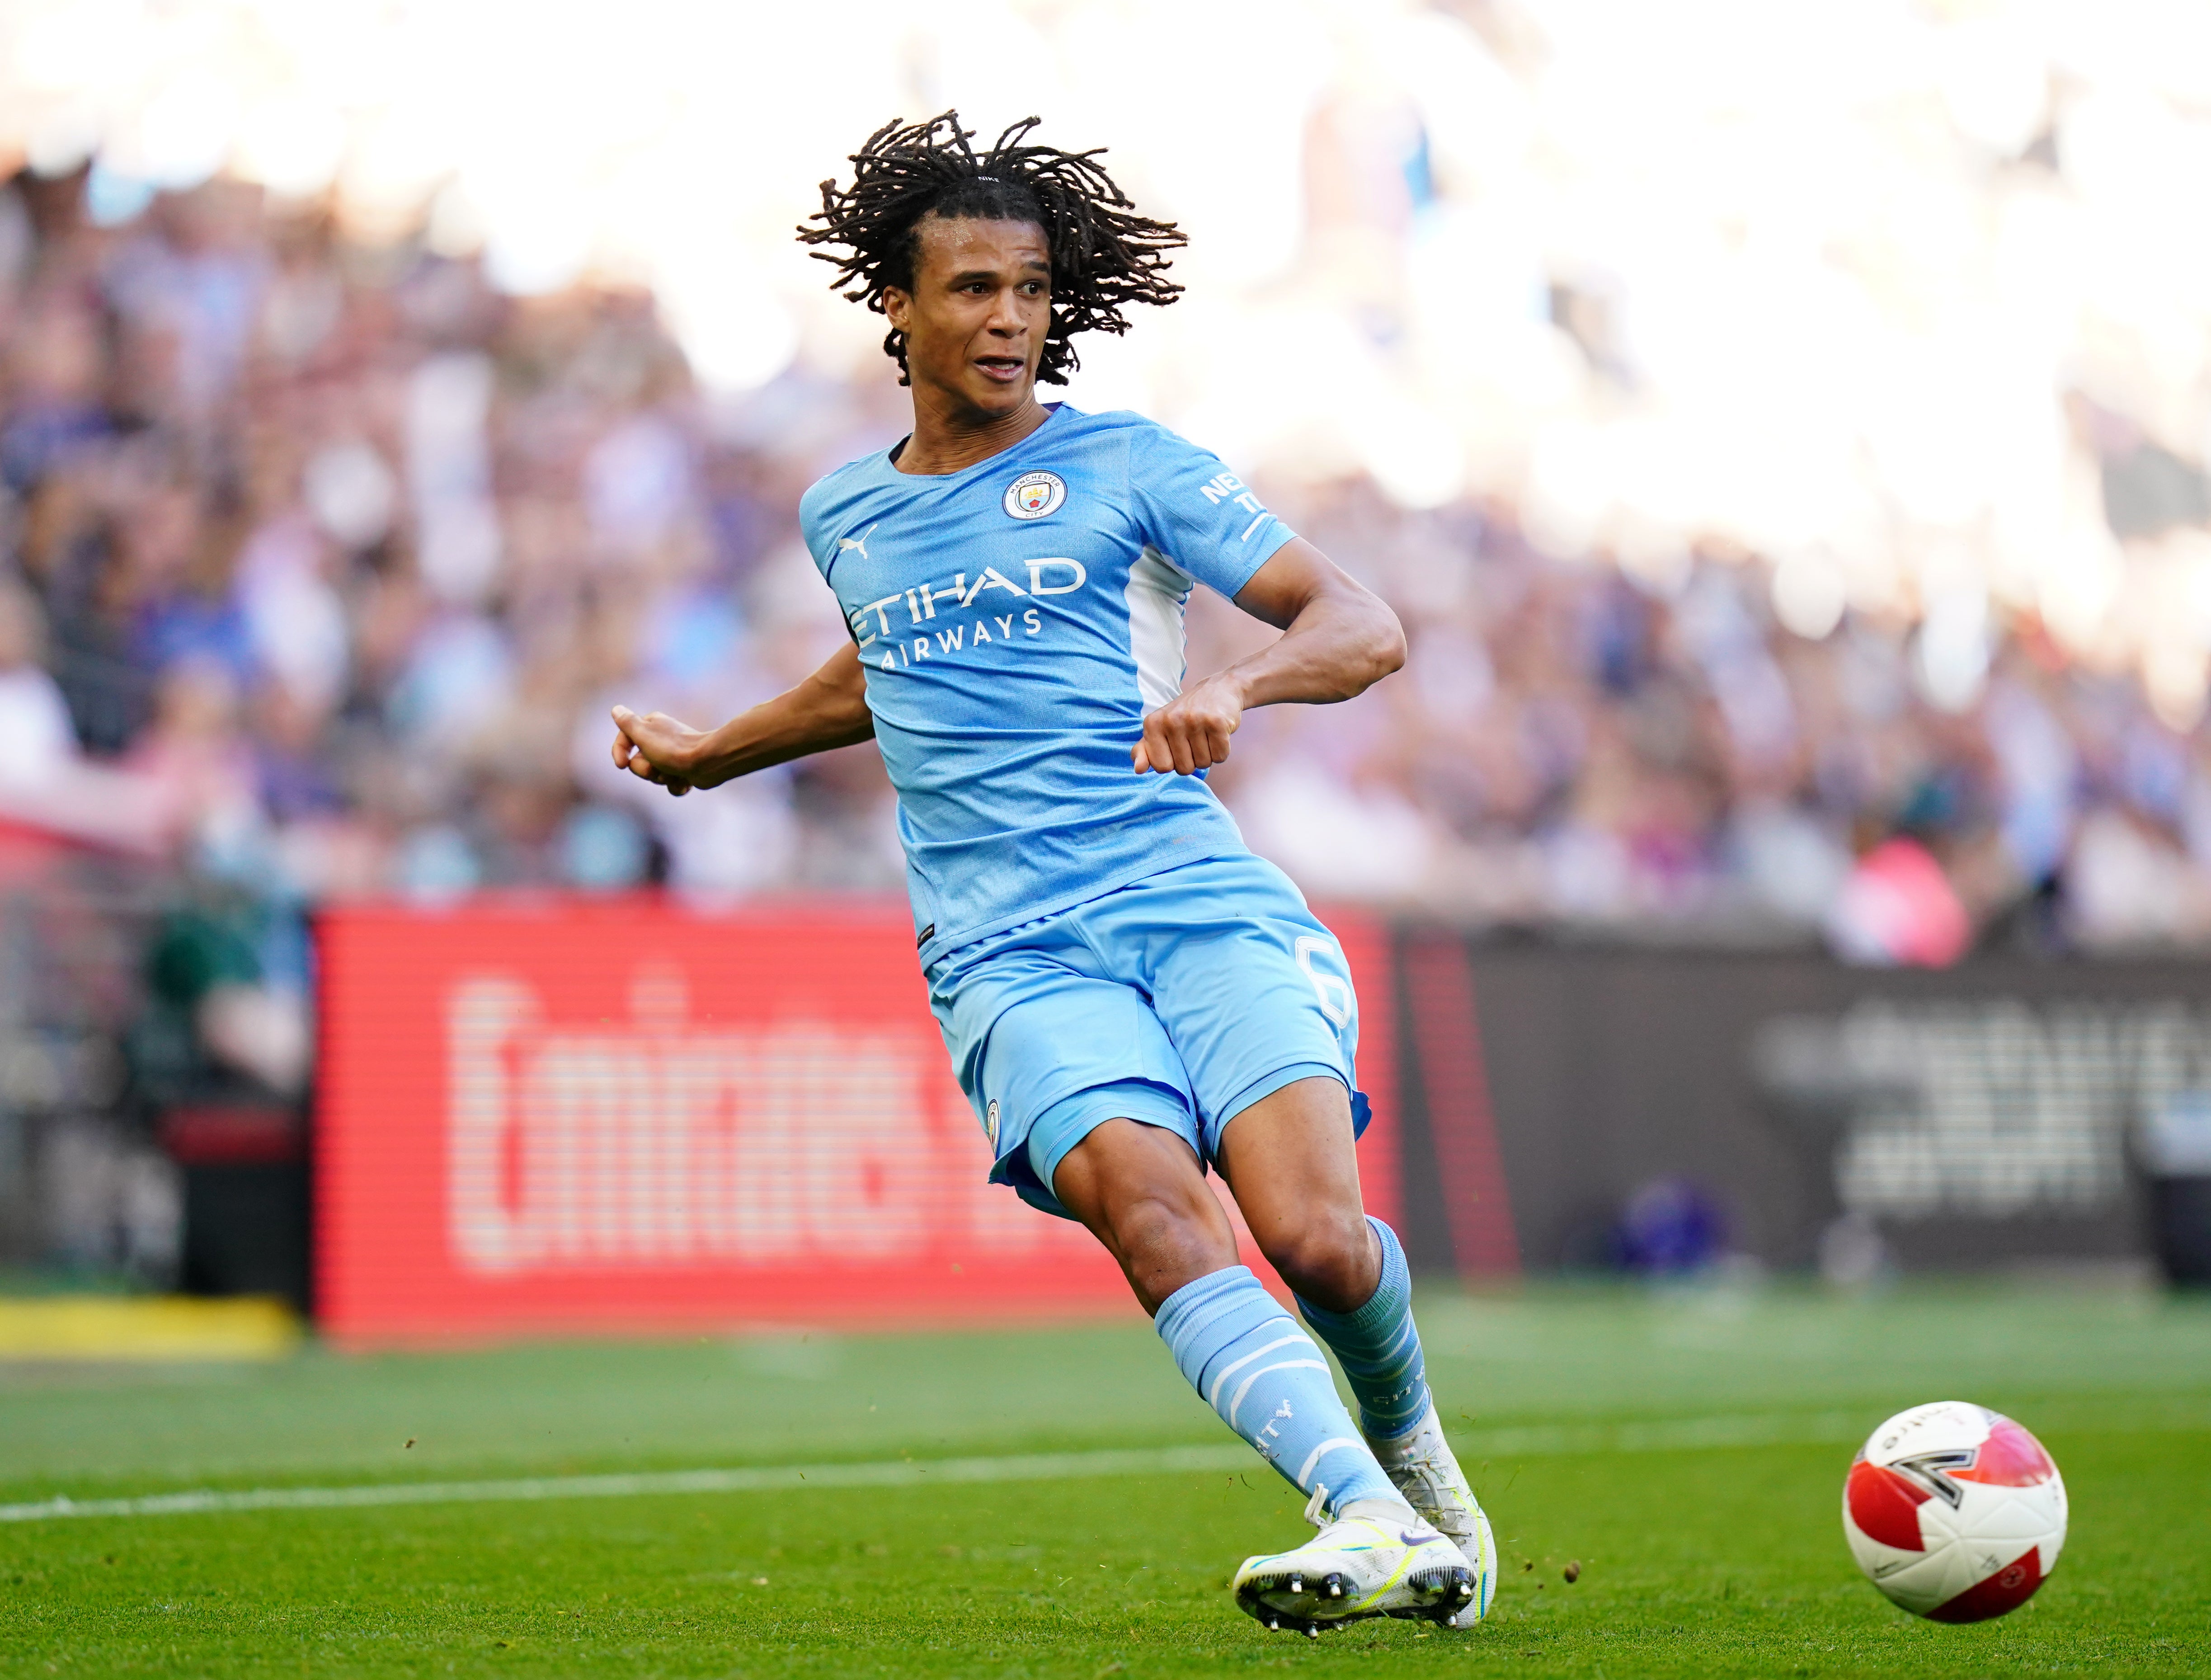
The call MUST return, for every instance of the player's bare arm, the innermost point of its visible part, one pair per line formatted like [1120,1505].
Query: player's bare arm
[1338,639]
[829,709]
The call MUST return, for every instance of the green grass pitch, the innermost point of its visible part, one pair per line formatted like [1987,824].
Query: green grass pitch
[1686,1449]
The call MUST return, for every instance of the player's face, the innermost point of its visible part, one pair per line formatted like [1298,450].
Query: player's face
[976,319]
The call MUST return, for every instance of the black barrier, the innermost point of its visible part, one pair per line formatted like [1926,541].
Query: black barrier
[1984,1115]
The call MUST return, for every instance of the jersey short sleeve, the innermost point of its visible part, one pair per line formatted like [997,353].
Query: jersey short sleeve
[820,544]
[1197,514]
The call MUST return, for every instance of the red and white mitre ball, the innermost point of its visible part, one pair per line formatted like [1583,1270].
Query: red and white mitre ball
[1954,1512]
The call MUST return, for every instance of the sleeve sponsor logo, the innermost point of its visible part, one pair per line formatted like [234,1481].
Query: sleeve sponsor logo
[1228,487]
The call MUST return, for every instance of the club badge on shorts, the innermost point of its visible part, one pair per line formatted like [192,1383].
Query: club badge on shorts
[1034,494]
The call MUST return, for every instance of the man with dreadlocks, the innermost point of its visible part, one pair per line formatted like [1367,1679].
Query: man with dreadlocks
[1128,995]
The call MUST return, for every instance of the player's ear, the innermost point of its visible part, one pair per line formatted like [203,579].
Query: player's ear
[898,307]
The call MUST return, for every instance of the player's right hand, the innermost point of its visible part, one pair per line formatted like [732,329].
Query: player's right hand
[656,748]
[1190,732]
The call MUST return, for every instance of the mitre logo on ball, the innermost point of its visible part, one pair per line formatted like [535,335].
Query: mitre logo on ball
[1954,1512]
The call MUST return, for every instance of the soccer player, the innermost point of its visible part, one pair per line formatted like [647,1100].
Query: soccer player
[1128,995]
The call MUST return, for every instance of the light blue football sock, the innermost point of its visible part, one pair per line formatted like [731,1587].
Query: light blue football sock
[1378,1348]
[1270,1384]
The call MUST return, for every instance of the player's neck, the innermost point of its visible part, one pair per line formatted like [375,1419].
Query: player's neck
[950,436]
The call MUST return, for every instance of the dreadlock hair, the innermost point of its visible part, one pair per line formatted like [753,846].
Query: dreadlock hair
[1103,255]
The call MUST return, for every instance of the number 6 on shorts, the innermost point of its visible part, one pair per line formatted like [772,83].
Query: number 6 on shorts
[1333,990]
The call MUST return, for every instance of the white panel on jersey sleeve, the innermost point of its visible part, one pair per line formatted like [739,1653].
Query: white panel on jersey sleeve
[1157,590]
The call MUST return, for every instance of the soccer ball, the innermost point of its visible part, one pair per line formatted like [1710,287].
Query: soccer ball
[1954,1512]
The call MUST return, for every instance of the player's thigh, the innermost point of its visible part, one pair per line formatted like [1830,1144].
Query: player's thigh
[1252,988]
[1044,1052]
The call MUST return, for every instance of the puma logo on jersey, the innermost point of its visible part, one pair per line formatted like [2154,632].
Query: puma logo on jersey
[859,543]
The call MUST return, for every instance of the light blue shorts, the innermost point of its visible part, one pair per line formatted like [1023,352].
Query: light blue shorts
[1179,1000]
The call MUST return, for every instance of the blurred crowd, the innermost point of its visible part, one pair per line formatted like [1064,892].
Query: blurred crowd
[321,561]
[324,563]
[1577,747]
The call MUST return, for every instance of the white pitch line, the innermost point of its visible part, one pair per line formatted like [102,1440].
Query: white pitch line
[1543,1441]
[895,1473]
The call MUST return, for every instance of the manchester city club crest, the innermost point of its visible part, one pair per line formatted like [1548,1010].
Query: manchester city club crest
[1034,494]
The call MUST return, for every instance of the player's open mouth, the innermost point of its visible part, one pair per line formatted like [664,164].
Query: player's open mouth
[1004,369]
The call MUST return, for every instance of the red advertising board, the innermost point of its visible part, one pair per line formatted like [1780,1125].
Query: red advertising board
[548,1114]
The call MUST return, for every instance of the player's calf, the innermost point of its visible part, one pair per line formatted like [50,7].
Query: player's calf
[1379,1349]
[1330,1258]
[1378,1344]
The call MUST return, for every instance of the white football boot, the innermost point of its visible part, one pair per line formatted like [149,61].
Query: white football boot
[1422,1466]
[1355,1568]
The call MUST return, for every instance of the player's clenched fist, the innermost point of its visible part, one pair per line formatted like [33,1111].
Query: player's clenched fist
[656,748]
[1190,732]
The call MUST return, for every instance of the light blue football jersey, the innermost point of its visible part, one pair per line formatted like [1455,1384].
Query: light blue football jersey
[1017,620]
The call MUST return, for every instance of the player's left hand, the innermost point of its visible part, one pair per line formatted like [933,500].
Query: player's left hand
[1190,732]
